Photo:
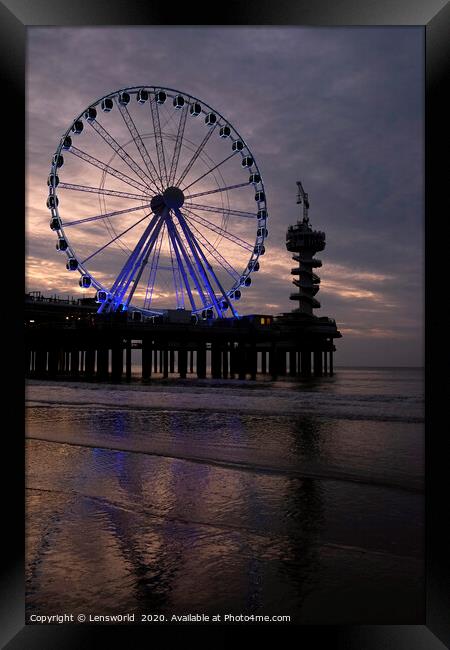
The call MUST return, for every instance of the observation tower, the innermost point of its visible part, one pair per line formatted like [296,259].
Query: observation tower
[307,338]
[305,242]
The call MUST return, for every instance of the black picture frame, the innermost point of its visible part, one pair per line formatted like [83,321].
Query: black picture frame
[434,16]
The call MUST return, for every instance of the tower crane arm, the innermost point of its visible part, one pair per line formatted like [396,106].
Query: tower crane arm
[302,198]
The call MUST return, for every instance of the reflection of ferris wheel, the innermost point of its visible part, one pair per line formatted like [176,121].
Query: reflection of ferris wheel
[173,217]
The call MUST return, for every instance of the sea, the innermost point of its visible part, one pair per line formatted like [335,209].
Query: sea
[302,499]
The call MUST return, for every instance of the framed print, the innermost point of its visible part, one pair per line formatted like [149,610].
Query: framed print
[204,449]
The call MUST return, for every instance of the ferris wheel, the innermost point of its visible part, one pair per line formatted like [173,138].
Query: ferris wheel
[158,203]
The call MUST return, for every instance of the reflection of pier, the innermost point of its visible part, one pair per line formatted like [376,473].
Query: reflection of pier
[66,339]
[144,531]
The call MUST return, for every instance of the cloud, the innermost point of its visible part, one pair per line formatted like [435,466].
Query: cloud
[340,109]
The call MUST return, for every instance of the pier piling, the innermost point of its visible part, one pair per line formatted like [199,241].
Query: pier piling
[128,360]
[146,358]
[102,363]
[201,361]
[182,363]
[89,363]
[317,363]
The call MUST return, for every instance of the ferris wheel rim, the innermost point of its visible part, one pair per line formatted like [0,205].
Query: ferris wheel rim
[259,241]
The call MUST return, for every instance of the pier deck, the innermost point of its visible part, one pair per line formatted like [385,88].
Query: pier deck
[67,339]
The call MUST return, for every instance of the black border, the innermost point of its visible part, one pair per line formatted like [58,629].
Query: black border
[434,16]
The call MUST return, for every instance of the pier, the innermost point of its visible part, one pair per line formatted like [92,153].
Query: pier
[93,338]
[67,339]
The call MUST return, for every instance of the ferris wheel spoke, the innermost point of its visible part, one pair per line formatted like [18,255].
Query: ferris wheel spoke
[177,281]
[133,263]
[219,189]
[127,267]
[115,146]
[178,143]
[201,262]
[180,253]
[103,191]
[196,155]
[209,267]
[107,215]
[106,168]
[159,142]
[114,239]
[217,256]
[197,272]
[221,210]
[216,279]
[169,120]
[152,172]
[142,262]
[153,270]
[210,170]
[224,233]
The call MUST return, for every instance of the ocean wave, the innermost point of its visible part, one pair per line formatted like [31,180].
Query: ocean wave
[297,471]
[318,409]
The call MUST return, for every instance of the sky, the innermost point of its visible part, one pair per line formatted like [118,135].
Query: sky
[341,109]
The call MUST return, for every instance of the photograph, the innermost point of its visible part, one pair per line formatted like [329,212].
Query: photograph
[224,229]
[224,325]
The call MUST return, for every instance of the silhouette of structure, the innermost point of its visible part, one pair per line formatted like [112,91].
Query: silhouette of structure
[305,242]
[302,329]
[69,339]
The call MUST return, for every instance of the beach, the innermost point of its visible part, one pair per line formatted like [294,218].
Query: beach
[299,498]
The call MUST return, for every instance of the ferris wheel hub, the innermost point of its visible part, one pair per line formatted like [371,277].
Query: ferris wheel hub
[173,197]
[157,204]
